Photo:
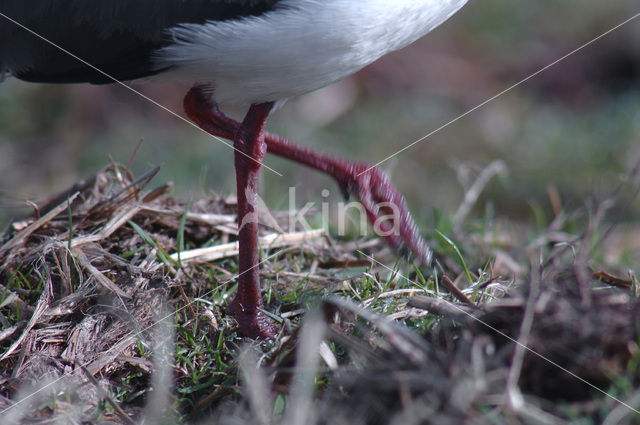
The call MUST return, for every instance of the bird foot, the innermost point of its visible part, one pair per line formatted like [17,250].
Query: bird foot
[253,324]
[385,207]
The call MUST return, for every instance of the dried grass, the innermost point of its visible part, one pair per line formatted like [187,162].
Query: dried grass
[86,281]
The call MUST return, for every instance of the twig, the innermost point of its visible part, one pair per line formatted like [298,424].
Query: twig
[451,287]
[496,167]
[116,407]
[100,278]
[23,234]
[441,307]
[274,240]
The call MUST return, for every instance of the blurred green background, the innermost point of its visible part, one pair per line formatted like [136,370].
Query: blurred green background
[574,127]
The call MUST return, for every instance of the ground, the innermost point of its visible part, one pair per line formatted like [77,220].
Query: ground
[113,313]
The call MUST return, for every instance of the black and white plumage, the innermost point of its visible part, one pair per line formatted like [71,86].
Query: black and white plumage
[117,36]
[255,52]
[249,51]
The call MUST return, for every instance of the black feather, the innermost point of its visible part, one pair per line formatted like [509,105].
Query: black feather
[116,36]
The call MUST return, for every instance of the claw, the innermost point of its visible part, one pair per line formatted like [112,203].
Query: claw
[386,209]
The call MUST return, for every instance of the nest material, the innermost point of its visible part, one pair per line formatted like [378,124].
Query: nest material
[95,267]
[98,264]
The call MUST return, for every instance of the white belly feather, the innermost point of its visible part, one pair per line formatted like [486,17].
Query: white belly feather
[301,46]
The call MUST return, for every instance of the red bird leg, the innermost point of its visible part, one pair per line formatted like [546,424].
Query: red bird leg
[250,151]
[385,206]
[383,203]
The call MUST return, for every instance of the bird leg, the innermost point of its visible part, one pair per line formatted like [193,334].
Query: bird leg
[385,207]
[250,150]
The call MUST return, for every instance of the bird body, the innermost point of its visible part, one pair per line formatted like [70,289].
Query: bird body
[246,51]
[297,47]
[256,52]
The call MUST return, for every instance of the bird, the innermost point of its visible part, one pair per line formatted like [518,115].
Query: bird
[254,53]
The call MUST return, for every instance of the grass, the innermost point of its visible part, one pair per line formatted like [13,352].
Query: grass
[404,321]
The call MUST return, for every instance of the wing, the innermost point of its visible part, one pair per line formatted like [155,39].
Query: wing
[116,36]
